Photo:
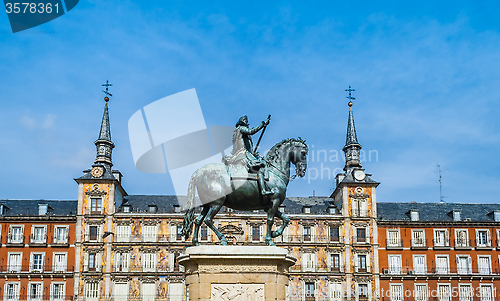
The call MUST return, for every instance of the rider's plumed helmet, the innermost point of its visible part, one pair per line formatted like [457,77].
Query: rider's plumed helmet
[242,121]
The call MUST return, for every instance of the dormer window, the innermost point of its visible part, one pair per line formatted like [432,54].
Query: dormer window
[306,209]
[126,209]
[331,210]
[152,209]
[456,215]
[282,209]
[414,216]
[42,209]
[177,209]
[496,215]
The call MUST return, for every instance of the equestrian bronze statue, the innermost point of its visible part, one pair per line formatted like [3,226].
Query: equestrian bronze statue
[245,182]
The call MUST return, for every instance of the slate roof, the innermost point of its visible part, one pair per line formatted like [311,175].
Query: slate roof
[436,211]
[30,207]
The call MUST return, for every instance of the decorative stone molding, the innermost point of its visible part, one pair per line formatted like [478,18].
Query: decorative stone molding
[94,250]
[96,192]
[255,223]
[335,250]
[149,249]
[153,222]
[175,223]
[94,221]
[145,279]
[226,292]
[231,230]
[310,278]
[123,222]
[366,279]
[308,250]
[361,251]
[121,249]
[240,267]
[91,278]
[175,280]
[175,250]
[308,223]
[118,279]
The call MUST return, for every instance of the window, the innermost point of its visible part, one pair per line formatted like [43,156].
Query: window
[464,265]
[486,293]
[484,265]
[16,234]
[393,238]
[175,291]
[461,238]
[442,265]
[120,292]
[483,238]
[122,262]
[418,238]
[395,264]
[123,233]
[11,291]
[92,262]
[57,291]
[282,209]
[363,291]
[148,262]
[307,233]
[152,209]
[96,205]
[309,291]
[126,209]
[444,293]
[441,238]
[334,234]
[456,216]
[14,262]
[179,232]
[177,209]
[255,233]
[332,210]
[421,293]
[38,235]
[93,231]
[61,234]
[37,262]
[359,208]
[465,292]
[149,292]
[362,263]
[414,216]
[35,291]
[335,262]
[59,262]
[92,290]
[308,262]
[150,233]
[42,209]
[204,233]
[360,235]
[396,292]
[419,264]
[496,215]
[306,209]
[336,291]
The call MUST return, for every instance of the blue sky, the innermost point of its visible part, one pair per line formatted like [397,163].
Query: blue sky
[426,76]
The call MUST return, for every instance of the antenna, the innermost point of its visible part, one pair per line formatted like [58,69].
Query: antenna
[441,197]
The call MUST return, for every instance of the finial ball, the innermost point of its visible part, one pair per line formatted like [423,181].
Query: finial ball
[350,103]
[106,99]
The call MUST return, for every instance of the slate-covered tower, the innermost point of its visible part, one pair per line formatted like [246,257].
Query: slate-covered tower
[355,197]
[99,194]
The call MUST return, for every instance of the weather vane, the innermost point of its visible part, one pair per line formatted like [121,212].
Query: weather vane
[350,97]
[107,84]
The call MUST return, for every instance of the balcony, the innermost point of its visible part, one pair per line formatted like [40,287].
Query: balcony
[59,241]
[463,244]
[394,244]
[438,271]
[360,214]
[40,241]
[36,269]
[463,298]
[15,240]
[483,244]
[419,244]
[441,244]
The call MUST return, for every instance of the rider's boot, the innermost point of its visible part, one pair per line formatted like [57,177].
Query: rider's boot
[263,185]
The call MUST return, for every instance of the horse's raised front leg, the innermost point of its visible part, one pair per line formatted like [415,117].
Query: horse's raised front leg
[214,209]
[197,223]
[286,221]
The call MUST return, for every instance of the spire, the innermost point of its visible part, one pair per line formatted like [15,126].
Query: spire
[352,147]
[103,144]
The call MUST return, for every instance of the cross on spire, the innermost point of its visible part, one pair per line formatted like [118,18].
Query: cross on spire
[107,84]
[350,96]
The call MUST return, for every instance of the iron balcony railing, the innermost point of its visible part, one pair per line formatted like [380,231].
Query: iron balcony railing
[483,243]
[402,271]
[445,242]
[419,243]
[25,297]
[443,298]
[54,240]
[15,239]
[34,268]
[463,243]
[38,240]
[394,243]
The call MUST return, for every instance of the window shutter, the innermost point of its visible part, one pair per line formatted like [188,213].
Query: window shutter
[86,262]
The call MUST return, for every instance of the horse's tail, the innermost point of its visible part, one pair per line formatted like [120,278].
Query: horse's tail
[187,226]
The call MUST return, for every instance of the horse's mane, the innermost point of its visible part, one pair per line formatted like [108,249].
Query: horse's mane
[272,154]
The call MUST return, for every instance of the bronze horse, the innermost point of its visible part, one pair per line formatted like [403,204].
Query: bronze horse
[218,187]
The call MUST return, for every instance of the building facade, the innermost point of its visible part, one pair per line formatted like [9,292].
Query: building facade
[109,245]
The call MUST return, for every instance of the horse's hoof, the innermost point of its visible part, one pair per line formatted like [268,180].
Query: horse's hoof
[275,234]
[270,243]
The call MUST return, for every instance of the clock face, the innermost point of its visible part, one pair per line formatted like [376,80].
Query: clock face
[359,175]
[97,171]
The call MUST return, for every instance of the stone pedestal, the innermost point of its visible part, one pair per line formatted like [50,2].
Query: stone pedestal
[236,273]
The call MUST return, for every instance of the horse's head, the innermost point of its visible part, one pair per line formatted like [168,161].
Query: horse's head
[299,156]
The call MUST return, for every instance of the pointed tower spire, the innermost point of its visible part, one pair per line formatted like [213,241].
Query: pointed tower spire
[104,144]
[352,147]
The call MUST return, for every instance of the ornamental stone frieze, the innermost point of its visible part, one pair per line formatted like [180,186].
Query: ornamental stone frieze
[96,191]
[150,222]
[121,279]
[149,249]
[121,249]
[94,221]
[145,279]
[308,249]
[307,223]
[123,222]
[93,250]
